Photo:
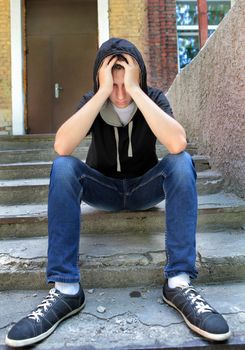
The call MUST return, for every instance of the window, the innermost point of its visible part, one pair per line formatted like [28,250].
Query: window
[187,25]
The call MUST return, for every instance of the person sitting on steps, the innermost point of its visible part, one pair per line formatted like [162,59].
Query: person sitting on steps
[125,118]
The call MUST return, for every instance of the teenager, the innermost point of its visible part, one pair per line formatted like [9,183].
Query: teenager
[125,118]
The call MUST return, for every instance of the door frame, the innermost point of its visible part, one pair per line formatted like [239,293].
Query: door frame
[18,69]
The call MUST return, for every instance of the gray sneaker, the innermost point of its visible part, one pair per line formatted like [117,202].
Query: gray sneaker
[196,312]
[42,321]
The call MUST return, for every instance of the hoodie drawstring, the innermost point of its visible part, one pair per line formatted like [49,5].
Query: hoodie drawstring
[130,129]
[130,149]
[117,147]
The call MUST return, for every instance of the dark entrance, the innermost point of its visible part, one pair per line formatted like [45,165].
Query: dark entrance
[61,46]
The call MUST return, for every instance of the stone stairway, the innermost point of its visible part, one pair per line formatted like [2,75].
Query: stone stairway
[113,245]
[118,250]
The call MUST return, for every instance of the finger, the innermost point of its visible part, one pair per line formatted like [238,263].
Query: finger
[122,63]
[112,62]
[130,59]
[106,60]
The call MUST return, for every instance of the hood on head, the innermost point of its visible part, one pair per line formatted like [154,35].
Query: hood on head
[116,46]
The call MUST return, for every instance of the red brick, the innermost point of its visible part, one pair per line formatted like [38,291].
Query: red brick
[162,42]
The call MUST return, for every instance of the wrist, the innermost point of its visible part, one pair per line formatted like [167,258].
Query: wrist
[134,91]
[103,93]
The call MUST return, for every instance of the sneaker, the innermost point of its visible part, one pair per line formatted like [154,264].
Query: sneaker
[42,321]
[197,313]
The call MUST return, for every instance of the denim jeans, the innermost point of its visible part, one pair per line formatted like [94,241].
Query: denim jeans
[72,181]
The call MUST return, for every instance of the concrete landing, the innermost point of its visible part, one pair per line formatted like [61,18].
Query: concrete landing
[134,318]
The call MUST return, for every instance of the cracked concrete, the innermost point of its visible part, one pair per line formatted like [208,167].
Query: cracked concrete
[128,322]
[214,213]
[120,260]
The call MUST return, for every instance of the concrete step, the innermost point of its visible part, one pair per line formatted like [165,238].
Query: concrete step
[35,155]
[48,154]
[26,141]
[122,260]
[46,141]
[132,323]
[27,170]
[41,169]
[38,141]
[24,191]
[215,212]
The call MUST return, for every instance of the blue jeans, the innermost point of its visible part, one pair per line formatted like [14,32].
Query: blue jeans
[72,181]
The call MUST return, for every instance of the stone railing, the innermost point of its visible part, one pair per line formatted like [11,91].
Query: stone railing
[208,98]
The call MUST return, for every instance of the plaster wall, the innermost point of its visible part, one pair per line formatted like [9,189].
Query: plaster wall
[208,99]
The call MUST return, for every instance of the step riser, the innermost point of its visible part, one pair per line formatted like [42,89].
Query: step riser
[15,146]
[34,142]
[39,171]
[28,277]
[49,145]
[138,222]
[17,195]
[25,171]
[43,155]
[23,195]
[47,142]
[34,155]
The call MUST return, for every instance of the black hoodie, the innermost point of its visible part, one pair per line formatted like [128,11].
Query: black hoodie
[106,150]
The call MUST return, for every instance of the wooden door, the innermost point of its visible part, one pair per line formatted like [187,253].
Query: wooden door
[61,47]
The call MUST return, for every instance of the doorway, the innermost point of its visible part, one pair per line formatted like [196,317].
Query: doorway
[62,40]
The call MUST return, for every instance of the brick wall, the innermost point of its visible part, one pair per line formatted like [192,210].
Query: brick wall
[5,68]
[162,42]
[151,26]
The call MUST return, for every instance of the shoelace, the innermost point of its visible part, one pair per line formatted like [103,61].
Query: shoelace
[197,300]
[43,307]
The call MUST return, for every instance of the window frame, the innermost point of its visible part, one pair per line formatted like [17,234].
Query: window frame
[193,30]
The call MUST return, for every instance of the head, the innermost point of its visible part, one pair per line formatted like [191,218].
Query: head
[119,96]
[118,47]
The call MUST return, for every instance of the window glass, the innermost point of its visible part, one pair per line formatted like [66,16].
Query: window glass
[186,13]
[217,11]
[187,25]
[188,48]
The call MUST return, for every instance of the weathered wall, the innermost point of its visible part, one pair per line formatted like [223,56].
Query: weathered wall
[5,68]
[128,20]
[208,98]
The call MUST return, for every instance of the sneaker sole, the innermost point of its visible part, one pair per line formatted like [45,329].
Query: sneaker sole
[211,336]
[30,341]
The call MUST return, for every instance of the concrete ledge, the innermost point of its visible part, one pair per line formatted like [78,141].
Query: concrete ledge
[215,212]
[24,191]
[207,98]
[120,260]
[47,154]
[41,169]
[31,141]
